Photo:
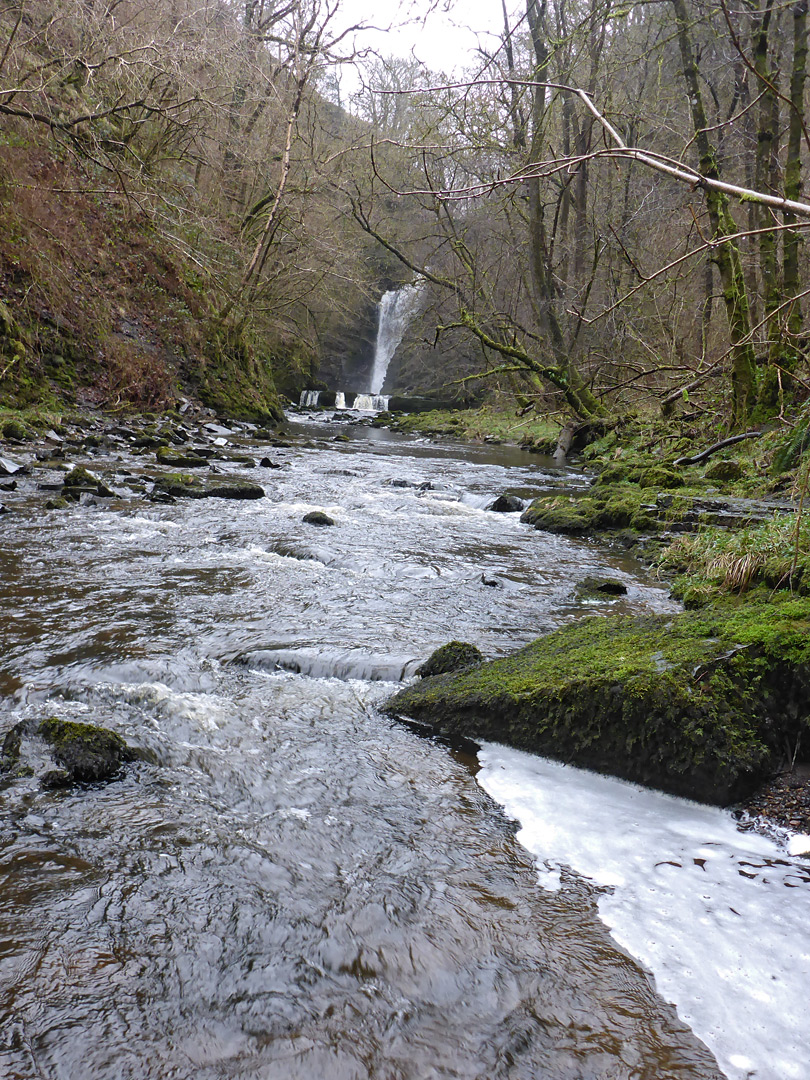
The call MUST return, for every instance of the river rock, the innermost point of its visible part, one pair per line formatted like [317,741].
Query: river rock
[506,504]
[699,704]
[64,752]
[491,581]
[182,486]
[318,517]
[454,656]
[10,468]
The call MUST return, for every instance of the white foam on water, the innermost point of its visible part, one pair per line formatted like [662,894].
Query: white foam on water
[718,916]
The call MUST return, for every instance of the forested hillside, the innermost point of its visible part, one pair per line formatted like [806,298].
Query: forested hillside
[606,212]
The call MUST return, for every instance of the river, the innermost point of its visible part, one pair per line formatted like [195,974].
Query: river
[302,887]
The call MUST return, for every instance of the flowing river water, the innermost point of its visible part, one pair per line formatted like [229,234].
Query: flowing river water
[301,887]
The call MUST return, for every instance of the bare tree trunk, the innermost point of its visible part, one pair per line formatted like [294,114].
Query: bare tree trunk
[726,256]
[577,393]
[793,178]
[766,179]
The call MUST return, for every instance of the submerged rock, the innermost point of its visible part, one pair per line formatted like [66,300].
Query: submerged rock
[700,704]
[603,585]
[454,656]
[64,752]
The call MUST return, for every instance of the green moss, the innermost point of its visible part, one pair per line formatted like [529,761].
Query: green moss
[724,471]
[236,380]
[84,752]
[602,508]
[661,478]
[701,704]
[165,455]
[487,422]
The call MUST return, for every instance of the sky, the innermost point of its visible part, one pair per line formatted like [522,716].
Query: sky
[445,38]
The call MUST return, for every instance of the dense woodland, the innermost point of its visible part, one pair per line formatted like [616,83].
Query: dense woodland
[605,211]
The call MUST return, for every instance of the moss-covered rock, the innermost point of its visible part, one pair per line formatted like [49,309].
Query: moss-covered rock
[701,704]
[236,489]
[80,480]
[724,472]
[64,752]
[186,486]
[178,460]
[317,517]
[14,430]
[616,506]
[454,656]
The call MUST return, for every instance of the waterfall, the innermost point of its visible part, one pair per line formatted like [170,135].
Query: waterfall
[397,307]
[309,399]
[370,403]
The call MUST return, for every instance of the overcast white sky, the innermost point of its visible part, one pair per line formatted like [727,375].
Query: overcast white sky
[444,39]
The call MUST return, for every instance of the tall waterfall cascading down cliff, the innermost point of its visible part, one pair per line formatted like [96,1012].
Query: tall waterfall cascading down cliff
[397,308]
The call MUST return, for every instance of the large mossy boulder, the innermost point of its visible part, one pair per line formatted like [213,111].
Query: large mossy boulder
[700,704]
[64,752]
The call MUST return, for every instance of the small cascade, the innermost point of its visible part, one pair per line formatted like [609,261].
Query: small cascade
[397,308]
[340,400]
[371,402]
[309,399]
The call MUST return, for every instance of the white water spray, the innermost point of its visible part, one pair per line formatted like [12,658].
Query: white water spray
[397,308]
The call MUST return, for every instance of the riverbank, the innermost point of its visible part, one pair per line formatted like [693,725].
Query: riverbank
[723,527]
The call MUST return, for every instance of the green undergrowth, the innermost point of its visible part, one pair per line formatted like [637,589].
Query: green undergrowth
[487,422]
[775,554]
[702,704]
[235,379]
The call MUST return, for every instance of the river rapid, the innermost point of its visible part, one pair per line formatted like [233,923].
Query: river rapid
[301,887]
